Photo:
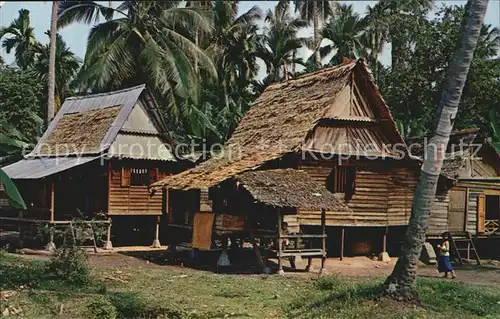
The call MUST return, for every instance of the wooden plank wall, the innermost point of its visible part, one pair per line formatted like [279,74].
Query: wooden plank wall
[402,184]
[132,200]
[438,221]
[369,202]
[472,212]
[383,197]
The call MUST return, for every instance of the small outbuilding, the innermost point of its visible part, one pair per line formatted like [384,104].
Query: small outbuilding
[99,155]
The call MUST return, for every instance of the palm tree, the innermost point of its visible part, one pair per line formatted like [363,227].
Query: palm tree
[279,42]
[233,48]
[148,42]
[345,31]
[317,12]
[401,283]
[233,44]
[20,36]
[374,38]
[66,65]
[397,17]
[51,82]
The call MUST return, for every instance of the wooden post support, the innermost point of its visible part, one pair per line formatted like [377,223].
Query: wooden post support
[52,201]
[256,248]
[156,241]
[108,245]
[309,263]
[342,236]
[21,231]
[384,240]
[323,231]
[466,213]
[280,245]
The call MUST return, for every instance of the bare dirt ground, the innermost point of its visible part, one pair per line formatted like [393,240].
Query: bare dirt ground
[356,267]
[489,274]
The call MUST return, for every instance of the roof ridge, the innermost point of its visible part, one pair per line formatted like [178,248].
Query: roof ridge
[80,97]
[320,71]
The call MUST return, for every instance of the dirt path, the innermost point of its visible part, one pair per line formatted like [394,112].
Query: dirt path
[350,267]
[366,267]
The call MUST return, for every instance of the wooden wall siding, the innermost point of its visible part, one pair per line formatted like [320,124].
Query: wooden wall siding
[438,221]
[369,202]
[472,212]
[347,140]
[402,184]
[349,103]
[133,200]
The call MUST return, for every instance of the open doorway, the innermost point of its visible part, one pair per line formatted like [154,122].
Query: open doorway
[492,214]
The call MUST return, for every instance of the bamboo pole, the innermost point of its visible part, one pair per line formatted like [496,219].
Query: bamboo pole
[280,246]
[52,201]
[342,235]
[323,231]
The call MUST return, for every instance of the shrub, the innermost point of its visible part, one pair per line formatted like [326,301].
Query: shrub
[101,308]
[15,272]
[70,264]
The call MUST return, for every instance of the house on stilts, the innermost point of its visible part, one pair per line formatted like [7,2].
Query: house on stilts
[471,205]
[99,155]
[321,134]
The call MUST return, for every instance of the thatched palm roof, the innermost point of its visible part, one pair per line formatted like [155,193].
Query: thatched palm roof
[289,188]
[81,132]
[281,120]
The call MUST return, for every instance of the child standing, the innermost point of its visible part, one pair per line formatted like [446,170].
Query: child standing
[444,264]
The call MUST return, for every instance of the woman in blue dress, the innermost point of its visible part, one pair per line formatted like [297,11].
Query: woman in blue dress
[444,264]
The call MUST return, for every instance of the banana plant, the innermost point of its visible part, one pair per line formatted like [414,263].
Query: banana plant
[15,199]
[495,131]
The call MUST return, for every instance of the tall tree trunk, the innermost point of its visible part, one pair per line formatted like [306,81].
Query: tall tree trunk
[52,63]
[401,283]
[317,36]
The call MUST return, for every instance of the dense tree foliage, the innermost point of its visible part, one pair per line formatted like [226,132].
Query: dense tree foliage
[413,89]
[201,59]
[33,57]
[21,97]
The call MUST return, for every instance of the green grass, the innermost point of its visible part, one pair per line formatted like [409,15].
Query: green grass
[153,293]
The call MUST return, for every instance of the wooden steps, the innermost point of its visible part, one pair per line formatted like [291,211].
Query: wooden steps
[460,243]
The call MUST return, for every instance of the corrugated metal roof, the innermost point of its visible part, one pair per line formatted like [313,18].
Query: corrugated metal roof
[42,167]
[127,98]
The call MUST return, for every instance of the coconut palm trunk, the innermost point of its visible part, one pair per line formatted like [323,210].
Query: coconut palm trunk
[317,35]
[52,63]
[401,283]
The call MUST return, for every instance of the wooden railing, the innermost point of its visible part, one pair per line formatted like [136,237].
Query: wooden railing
[491,226]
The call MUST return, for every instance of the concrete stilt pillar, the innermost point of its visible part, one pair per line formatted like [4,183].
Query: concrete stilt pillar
[108,245]
[50,245]
[156,241]
[223,260]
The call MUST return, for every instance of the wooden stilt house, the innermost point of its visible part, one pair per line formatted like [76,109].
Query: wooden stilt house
[474,198]
[99,155]
[334,128]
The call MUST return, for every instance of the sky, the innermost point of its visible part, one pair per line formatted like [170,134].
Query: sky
[75,35]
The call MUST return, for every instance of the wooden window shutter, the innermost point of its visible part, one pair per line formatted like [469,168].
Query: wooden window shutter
[153,175]
[481,212]
[125,178]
